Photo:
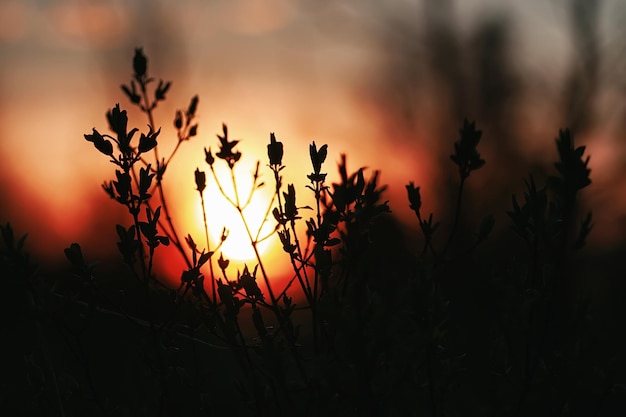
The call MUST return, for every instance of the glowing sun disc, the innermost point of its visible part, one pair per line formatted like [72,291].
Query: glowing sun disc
[222,214]
[237,245]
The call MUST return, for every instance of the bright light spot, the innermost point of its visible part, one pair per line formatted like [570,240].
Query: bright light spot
[187,214]
[222,214]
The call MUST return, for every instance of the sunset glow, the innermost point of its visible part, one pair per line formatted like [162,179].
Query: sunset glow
[335,74]
[313,208]
[222,214]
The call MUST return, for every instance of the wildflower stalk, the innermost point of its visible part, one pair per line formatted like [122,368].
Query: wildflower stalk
[457,215]
[304,282]
[201,185]
[318,214]
[467,158]
[253,241]
[140,75]
[315,295]
[275,306]
[231,156]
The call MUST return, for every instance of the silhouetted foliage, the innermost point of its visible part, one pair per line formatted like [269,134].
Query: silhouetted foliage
[367,325]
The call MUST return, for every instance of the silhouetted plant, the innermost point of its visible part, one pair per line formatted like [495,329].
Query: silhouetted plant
[379,328]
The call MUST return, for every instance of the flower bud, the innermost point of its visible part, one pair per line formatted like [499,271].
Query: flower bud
[222,263]
[100,143]
[193,105]
[140,63]
[291,210]
[275,151]
[118,120]
[415,200]
[209,156]
[147,143]
[161,90]
[200,180]
[178,119]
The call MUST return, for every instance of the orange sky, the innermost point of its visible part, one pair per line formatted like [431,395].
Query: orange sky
[305,70]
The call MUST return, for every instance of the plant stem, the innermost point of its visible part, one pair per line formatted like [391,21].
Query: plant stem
[173,235]
[208,248]
[316,275]
[457,215]
[306,288]
[276,307]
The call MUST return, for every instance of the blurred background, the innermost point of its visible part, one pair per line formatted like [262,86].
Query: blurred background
[386,82]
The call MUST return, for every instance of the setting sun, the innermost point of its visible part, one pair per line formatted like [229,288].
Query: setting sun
[222,214]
